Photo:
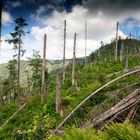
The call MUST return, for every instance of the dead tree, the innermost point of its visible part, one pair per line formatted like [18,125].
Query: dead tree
[58,103]
[121,51]
[64,51]
[116,47]
[126,62]
[85,44]
[131,114]
[73,63]
[43,87]
[99,51]
[125,103]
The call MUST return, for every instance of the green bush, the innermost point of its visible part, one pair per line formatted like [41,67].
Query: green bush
[113,132]
[76,134]
[120,132]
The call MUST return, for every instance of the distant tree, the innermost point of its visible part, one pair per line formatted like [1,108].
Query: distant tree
[12,69]
[5,90]
[17,41]
[35,62]
[28,81]
[9,84]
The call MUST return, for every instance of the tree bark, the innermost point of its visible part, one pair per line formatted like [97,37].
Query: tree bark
[116,47]
[73,63]
[58,102]
[130,114]
[121,51]
[126,62]
[43,88]
[126,102]
[64,51]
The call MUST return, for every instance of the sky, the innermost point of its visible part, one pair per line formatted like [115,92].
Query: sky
[47,16]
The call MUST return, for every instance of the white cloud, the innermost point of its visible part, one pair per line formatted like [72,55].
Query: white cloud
[100,27]
[55,43]
[6,52]
[6,18]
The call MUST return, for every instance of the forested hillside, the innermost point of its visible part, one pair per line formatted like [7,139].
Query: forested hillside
[24,116]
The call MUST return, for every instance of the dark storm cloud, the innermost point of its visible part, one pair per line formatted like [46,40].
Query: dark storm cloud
[111,6]
[58,5]
[26,8]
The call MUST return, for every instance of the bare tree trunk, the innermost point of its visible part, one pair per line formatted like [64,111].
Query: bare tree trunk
[121,52]
[73,64]
[43,88]
[133,98]
[85,44]
[64,50]
[130,114]
[126,62]
[59,108]
[116,48]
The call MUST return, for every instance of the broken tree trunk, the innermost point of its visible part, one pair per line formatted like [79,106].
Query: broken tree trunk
[64,51]
[133,98]
[130,114]
[121,51]
[59,108]
[126,62]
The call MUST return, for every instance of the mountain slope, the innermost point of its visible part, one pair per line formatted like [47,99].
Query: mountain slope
[40,119]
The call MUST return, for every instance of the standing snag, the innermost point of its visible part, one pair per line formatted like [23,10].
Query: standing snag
[64,51]
[85,44]
[58,102]
[73,62]
[43,87]
[116,47]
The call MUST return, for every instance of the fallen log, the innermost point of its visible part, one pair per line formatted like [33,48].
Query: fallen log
[132,98]
[130,114]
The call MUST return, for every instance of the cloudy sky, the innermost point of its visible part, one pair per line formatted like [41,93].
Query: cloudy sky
[47,16]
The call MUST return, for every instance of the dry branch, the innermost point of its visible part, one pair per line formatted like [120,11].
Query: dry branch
[14,114]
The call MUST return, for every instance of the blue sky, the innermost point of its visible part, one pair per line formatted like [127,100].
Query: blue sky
[47,16]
